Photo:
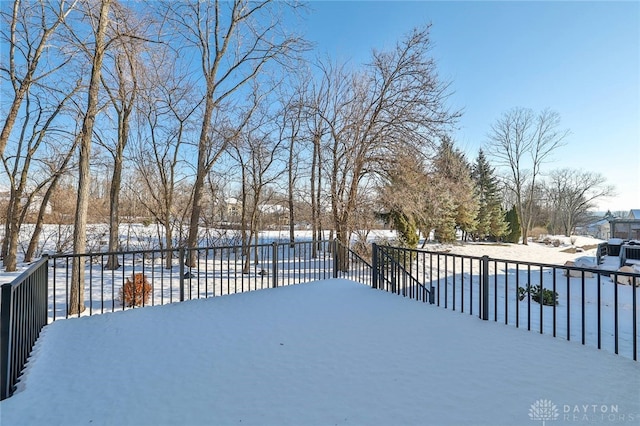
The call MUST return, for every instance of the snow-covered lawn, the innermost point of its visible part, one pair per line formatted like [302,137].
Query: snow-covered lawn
[324,353]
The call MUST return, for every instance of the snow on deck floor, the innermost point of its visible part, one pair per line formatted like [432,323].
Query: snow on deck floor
[326,353]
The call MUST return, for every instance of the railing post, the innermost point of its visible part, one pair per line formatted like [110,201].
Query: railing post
[181,254]
[374,265]
[274,264]
[5,341]
[335,257]
[45,291]
[484,292]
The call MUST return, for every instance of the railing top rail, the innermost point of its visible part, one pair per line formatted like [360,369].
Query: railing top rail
[519,262]
[111,253]
[360,258]
[30,271]
[401,267]
[441,253]
[175,249]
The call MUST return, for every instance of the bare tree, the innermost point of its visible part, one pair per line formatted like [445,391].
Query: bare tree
[290,121]
[572,194]
[34,68]
[257,152]
[41,136]
[166,111]
[121,83]
[317,100]
[522,141]
[396,105]
[234,41]
[28,31]
[100,23]
[58,166]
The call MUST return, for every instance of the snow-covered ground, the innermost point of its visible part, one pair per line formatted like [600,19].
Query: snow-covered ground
[328,352]
[324,353]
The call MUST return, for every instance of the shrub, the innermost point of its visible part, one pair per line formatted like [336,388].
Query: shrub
[538,233]
[362,249]
[136,292]
[541,295]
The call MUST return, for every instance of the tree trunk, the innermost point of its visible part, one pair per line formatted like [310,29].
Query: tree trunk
[11,116]
[196,208]
[76,294]
[291,187]
[246,238]
[314,206]
[168,235]
[201,171]
[37,231]
[11,257]
[342,236]
[114,217]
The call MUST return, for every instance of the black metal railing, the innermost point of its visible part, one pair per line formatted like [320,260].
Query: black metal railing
[23,314]
[392,273]
[549,298]
[355,267]
[181,274]
[595,307]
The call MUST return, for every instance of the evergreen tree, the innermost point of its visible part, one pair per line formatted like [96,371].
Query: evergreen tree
[498,226]
[461,210]
[407,229]
[403,195]
[445,222]
[514,225]
[490,218]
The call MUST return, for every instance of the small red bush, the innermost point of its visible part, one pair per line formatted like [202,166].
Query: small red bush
[136,292]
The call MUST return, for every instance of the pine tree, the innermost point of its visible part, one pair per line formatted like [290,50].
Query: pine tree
[445,223]
[498,227]
[454,173]
[514,225]
[407,229]
[403,195]
[490,218]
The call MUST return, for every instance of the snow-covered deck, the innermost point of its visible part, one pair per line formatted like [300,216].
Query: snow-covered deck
[328,352]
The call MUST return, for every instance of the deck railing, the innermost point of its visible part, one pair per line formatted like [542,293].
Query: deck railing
[168,276]
[587,304]
[23,314]
[595,307]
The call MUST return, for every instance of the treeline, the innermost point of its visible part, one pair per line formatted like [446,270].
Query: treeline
[193,113]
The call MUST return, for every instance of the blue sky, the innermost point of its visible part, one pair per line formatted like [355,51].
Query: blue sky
[581,59]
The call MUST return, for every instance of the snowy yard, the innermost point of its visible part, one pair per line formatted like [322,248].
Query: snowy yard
[325,353]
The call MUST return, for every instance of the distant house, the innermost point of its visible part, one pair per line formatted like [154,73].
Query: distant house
[600,229]
[627,228]
[232,211]
[272,209]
